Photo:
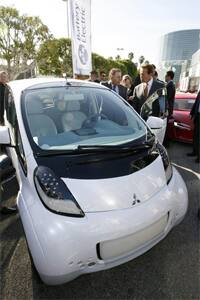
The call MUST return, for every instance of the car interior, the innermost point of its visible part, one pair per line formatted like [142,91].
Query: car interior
[66,118]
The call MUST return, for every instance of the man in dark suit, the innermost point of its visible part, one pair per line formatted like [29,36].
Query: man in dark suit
[115,77]
[171,91]
[3,83]
[5,166]
[195,115]
[94,77]
[145,89]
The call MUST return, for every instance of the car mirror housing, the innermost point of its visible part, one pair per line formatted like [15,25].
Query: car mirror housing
[155,123]
[4,136]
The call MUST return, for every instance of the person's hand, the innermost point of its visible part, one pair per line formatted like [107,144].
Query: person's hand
[165,115]
[130,98]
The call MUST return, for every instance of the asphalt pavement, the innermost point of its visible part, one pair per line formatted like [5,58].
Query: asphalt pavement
[170,270]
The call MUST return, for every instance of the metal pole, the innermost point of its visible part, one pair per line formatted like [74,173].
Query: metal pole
[68,19]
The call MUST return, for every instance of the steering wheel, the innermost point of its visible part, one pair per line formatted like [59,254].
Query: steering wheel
[93,119]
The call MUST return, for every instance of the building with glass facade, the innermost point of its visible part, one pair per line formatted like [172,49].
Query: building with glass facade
[178,47]
[190,74]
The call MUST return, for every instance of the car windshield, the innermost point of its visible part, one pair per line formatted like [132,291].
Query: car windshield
[65,118]
[183,104]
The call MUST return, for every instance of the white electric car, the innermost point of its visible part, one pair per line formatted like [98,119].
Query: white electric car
[97,189]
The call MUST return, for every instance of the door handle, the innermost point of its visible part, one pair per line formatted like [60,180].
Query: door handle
[182,126]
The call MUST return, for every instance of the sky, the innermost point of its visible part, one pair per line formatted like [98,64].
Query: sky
[134,25]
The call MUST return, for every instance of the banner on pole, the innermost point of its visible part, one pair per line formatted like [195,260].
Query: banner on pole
[80,16]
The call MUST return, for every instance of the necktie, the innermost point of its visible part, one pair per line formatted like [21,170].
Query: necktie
[146,90]
[114,88]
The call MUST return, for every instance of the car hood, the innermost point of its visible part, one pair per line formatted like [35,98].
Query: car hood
[119,192]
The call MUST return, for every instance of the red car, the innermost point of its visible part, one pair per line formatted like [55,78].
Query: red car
[180,126]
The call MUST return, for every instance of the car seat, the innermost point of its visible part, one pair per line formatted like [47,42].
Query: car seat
[39,123]
[73,118]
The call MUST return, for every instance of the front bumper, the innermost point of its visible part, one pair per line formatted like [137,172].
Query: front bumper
[63,248]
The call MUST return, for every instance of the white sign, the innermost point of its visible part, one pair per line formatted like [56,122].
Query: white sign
[80,16]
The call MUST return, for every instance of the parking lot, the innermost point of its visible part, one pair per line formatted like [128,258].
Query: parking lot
[170,270]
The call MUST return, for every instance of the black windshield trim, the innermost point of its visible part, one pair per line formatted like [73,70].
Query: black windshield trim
[98,149]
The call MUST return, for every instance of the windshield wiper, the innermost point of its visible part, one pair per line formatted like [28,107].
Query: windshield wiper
[88,149]
[128,146]
[115,148]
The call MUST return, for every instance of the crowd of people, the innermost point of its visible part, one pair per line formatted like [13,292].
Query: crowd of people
[145,84]
[137,91]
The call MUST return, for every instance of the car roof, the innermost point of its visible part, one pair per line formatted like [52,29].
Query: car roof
[180,95]
[18,86]
[32,83]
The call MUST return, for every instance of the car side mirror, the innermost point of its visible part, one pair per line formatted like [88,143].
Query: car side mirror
[155,123]
[5,136]
[158,127]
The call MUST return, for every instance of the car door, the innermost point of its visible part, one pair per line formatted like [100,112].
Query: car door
[16,151]
[183,125]
[146,111]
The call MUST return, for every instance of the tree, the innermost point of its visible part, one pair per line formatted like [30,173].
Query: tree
[118,57]
[99,63]
[131,68]
[20,37]
[131,56]
[55,57]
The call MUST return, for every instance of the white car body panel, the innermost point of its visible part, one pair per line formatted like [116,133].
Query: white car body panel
[117,193]
[64,248]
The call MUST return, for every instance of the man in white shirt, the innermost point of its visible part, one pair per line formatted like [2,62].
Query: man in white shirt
[147,87]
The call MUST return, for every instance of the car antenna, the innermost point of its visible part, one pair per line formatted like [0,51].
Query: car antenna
[65,76]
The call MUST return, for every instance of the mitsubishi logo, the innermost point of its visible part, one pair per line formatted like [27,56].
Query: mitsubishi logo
[135,200]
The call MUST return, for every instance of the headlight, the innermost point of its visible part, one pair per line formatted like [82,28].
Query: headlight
[166,162]
[54,193]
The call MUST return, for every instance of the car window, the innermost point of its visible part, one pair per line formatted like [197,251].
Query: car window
[147,107]
[12,123]
[20,150]
[79,115]
[11,116]
[183,104]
